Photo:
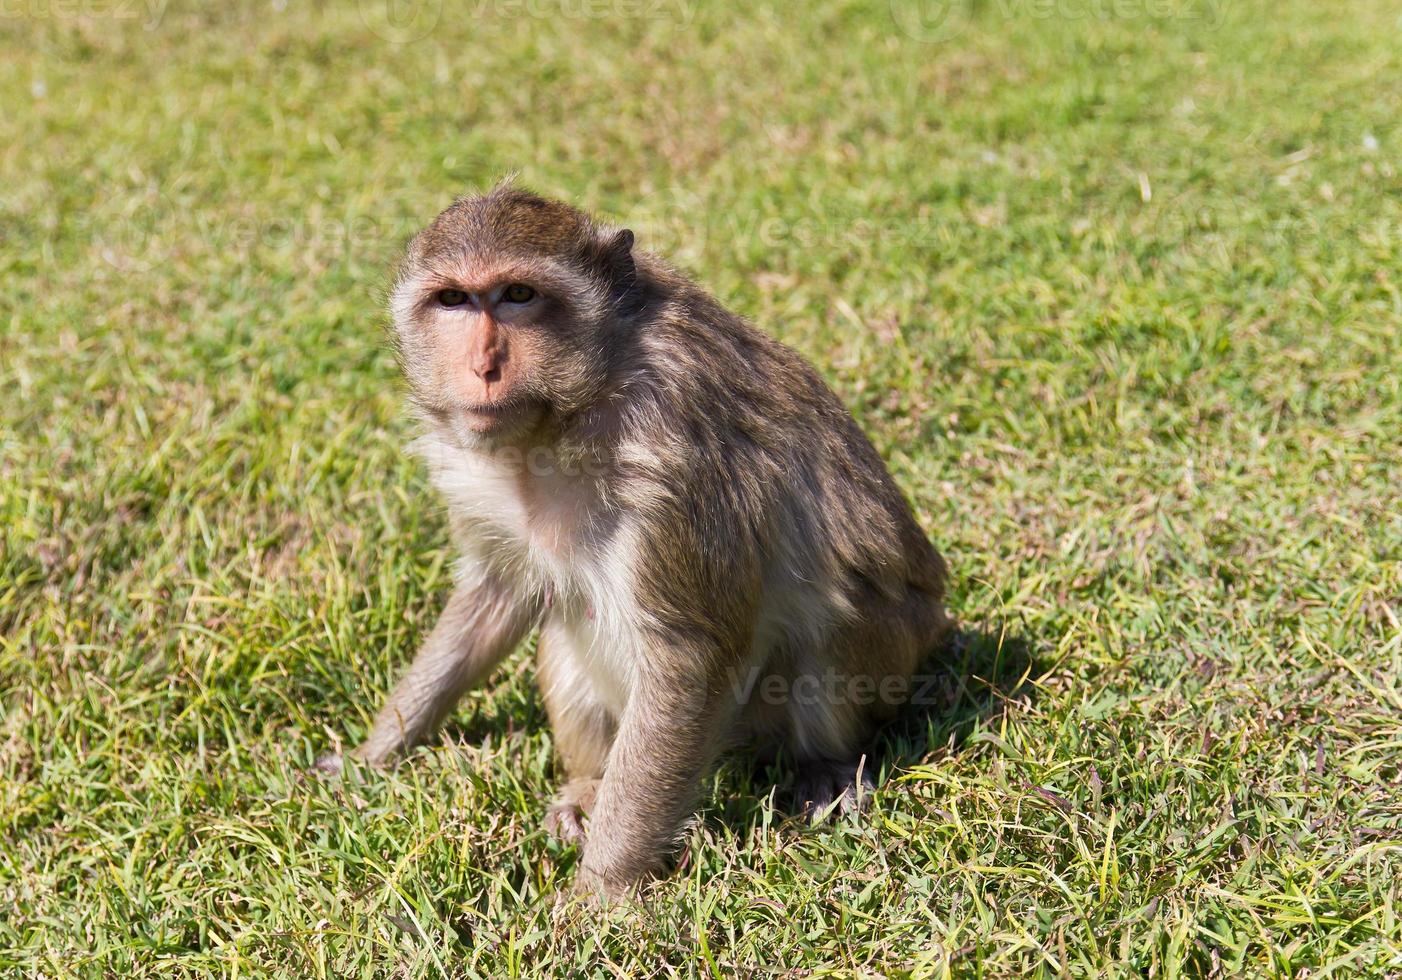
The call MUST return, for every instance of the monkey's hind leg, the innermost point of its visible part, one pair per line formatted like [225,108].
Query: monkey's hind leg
[874,658]
[583,730]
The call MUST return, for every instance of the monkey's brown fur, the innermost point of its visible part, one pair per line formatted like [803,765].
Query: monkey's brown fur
[678,502]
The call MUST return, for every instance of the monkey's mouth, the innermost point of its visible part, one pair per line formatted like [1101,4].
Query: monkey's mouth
[492,409]
[494,416]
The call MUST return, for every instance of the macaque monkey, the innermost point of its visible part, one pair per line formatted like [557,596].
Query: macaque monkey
[712,551]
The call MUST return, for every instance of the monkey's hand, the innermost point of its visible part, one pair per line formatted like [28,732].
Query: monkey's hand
[334,763]
[328,764]
[583,905]
[593,892]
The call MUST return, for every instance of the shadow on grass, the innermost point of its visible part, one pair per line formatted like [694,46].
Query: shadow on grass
[970,680]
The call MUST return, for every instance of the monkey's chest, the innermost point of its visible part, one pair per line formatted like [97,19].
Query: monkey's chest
[599,658]
[546,530]
[590,623]
[591,618]
[557,539]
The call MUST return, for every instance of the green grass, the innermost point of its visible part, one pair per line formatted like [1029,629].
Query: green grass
[1115,293]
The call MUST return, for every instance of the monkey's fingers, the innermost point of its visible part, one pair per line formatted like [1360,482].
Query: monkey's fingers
[329,764]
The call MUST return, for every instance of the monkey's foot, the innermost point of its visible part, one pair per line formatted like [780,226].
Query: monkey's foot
[824,787]
[565,818]
[565,821]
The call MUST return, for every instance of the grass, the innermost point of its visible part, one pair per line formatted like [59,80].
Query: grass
[1112,287]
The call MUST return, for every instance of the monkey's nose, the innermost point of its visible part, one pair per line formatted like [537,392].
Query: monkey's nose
[486,363]
[487,352]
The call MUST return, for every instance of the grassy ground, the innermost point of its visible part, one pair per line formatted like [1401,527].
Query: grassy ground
[1112,286]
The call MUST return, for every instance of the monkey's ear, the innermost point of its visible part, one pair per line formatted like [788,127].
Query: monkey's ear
[618,262]
[619,247]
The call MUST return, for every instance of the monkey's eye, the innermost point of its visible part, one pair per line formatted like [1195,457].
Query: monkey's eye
[518,293]
[450,297]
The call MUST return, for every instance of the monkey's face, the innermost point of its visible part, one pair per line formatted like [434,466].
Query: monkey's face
[495,349]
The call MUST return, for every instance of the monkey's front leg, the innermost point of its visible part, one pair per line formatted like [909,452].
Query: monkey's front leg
[667,738]
[483,621]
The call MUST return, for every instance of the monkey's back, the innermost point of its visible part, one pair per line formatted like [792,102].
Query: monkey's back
[769,498]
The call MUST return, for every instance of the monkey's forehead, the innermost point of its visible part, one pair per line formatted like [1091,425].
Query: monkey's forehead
[505,223]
